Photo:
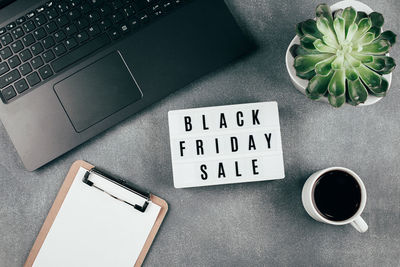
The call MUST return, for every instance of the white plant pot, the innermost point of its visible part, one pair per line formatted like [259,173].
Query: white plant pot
[301,84]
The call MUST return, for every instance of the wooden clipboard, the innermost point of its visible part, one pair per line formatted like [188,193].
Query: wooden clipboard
[59,201]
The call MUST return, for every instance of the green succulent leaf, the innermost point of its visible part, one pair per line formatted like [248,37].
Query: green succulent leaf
[378,46]
[377,19]
[349,15]
[362,57]
[318,85]
[323,10]
[366,38]
[293,50]
[352,62]
[338,62]
[382,64]
[309,27]
[351,31]
[363,26]
[351,74]
[329,35]
[388,35]
[337,13]
[375,30]
[324,67]
[337,101]
[307,63]
[370,78]
[360,16]
[307,41]
[307,75]
[337,85]
[299,31]
[339,26]
[297,50]
[322,47]
[357,92]
[381,90]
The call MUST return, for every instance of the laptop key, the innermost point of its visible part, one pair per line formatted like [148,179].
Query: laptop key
[8,93]
[71,43]
[62,21]
[167,5]
[25,55]
[85,8]
[82,51]
[74,14]
[82,37]
[143,17]
[39,33]
[48,56]
[40,20]
[117,4]
[105,24]
[59,49]
[21,20]
[5,53]
[51,27]
[9,78]
[37,49]
[59,36]
[70,29]
[33,79]
[6,39]
[29,26]
[45,72]
[48,42]
[17,32]
[37,62]
[93,16]
[82,23]
[11,26]
[21,86]
[62,7]
[94,30]
[117,17]
[17,46]
[133,24]
[30,14]
[123,28]
[14,61]
[28,39]
[51,13]
[4,68]
[25,69]
[114,33]
[129,11]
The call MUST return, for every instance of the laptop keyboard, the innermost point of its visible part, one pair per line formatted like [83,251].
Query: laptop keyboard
[52,37]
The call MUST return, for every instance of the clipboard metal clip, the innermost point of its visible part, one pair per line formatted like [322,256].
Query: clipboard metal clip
[122,183]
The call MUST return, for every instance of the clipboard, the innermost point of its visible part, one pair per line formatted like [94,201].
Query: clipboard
[90,170]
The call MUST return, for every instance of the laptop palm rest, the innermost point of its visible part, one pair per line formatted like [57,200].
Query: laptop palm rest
[97,91]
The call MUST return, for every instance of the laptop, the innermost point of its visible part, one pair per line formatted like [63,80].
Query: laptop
[74,68]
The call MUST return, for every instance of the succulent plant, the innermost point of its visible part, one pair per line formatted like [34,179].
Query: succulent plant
[343,55]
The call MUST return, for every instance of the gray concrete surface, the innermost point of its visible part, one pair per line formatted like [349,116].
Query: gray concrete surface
[253,224]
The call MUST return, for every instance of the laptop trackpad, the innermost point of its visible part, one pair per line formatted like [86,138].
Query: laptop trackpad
[97,91]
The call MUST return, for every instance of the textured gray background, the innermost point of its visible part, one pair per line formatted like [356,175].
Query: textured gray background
[251,224]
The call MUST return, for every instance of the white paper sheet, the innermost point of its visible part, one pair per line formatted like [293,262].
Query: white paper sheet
[94,229]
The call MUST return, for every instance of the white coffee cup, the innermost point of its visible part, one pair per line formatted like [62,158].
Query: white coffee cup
[309,204]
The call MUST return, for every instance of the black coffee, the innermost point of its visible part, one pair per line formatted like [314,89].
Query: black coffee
[337,195]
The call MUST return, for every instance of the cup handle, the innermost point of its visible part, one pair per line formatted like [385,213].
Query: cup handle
[360,224]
